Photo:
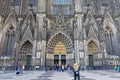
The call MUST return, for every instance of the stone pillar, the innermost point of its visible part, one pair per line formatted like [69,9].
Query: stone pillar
[76,43]
[86,54]
[2,39]
[59,59]
[41,9]
[78,28]
[43,53]
[81,52]
[38,52]
[34,53]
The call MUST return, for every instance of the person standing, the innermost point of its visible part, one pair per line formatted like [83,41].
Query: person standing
[76,70]
[63,68]
[19,70]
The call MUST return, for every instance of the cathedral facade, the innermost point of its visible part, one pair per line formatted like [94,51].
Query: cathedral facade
[51,32]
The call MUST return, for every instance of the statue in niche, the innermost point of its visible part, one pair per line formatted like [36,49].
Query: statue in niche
[59,18]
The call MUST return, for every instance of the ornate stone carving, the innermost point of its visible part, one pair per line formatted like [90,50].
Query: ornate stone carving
[59,19]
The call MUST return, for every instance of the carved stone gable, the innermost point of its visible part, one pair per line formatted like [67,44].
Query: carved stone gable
[59,19]
[60,23]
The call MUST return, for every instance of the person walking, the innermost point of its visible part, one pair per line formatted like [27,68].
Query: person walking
[76,70]
[19,70]
[63,67]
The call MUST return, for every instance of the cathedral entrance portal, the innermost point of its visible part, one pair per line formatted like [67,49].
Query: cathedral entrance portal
[56,59]
[63,59]
[28,62]
[59,59]
[60,53]
[91,63]
[92,50]
[25,56]
[59,50]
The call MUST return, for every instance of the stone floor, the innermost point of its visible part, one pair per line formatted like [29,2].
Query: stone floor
[53,75]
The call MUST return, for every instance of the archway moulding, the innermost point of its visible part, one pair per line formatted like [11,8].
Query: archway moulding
[112,26]
[59,32]
[95,41]
[25,40]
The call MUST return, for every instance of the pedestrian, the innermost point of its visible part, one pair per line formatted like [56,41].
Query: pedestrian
[19,70]
[115,67]
[118,68]
[76,70]
[62,68]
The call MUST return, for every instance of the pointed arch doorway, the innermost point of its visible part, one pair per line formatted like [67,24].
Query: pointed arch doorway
[60,53]
[92,50]
[25,56]
[59,49]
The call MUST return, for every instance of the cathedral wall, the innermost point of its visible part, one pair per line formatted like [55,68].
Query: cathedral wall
[108,11]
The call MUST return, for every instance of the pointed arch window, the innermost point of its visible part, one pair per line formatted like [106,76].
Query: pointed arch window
[17,2]
[9,41]
[61,5]
[109,39]
[60,2]
[34,2]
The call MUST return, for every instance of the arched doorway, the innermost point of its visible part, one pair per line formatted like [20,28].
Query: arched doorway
[26,55]
[92,50]
[59,49]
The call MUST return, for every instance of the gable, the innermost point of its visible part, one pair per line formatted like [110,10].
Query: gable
[28,34]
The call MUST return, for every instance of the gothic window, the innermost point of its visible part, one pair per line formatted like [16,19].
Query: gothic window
[61,5]
[17,2]
[60,2]
[109,40]
[34,2]
[9,40]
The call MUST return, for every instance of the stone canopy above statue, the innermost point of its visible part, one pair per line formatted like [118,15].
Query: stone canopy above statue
[60,23]
[60,19]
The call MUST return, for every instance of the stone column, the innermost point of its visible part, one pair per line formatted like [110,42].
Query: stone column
[41,9]
[86,54]
[43,53]
[39,52]
[34,53]
[59,59]
[78,28]
[76,51]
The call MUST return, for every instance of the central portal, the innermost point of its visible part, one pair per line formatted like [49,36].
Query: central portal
[59,59]
[59,50]
[56,59]
[63,59]
[59,54]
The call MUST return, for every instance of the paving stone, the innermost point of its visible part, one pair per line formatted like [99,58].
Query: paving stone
[54,75]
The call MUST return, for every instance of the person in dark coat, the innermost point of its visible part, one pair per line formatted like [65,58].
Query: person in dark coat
[19,70]
[76,70]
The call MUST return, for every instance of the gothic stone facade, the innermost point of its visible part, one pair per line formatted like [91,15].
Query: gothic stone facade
[50,32]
